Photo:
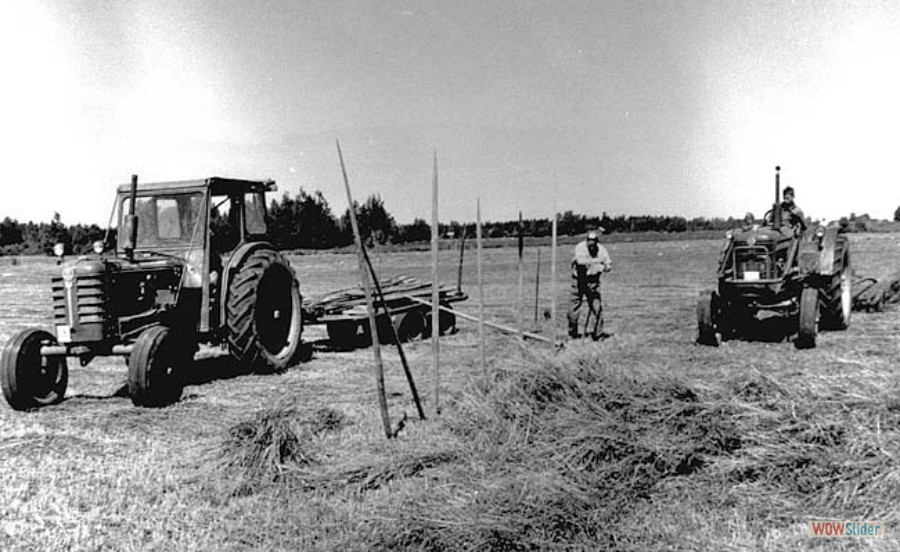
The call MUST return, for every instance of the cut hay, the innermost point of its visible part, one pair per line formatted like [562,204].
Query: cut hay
[559,451]
[275,441]
[571,451]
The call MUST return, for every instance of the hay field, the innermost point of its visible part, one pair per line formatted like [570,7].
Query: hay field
[641,441]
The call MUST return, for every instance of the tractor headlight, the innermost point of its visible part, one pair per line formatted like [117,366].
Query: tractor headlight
[99,247]
[820,232]
[729,235]
[59,249]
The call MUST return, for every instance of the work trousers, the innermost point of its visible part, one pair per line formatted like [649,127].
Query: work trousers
[585,312]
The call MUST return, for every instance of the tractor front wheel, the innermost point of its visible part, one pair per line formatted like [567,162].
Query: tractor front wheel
[30,380]
[707,318]
[808,320]
[263,313]
[839,305]
[156,365]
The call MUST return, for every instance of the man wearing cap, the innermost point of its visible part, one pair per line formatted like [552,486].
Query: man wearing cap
[591,260]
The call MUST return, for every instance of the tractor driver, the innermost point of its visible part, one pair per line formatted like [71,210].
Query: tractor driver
[590,262]
[793,213]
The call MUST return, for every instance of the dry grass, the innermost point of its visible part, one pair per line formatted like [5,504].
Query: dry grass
[642,441]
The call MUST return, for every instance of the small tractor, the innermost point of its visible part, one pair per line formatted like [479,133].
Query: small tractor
[191,266]
[774,271]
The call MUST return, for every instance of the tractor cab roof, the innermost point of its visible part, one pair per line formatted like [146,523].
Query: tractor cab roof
[216,185]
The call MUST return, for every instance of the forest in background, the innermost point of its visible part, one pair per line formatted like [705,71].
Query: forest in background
[306,221]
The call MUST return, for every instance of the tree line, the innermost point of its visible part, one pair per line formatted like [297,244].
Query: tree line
[306,221]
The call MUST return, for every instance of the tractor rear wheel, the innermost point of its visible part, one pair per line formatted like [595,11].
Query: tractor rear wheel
[156,367]
[263,313]
[839,304]
[808,320]
[30,380]
[707,318]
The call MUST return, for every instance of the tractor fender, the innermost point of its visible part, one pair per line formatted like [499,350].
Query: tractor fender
[234,262]
[832,252]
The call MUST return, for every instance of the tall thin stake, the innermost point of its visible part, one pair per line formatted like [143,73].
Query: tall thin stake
[553,275]
[435,292]
[364,276]
[521,297]
[480,292]
[537,286]
[462,251]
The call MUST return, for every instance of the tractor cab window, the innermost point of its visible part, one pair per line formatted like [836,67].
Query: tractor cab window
[224,226]
[167,220]
[255,213]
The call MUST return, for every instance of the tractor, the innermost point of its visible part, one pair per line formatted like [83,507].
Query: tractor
[190,266]
[775,272]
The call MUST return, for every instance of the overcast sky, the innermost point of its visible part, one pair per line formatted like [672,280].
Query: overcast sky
[630,107]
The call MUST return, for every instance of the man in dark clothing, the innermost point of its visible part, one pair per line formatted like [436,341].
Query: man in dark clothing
[793,214]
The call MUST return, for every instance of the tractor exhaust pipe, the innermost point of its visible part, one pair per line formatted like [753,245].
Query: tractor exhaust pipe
[776,209]
[130,223]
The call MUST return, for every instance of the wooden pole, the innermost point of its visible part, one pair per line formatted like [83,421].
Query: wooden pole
[462,251]
[537,286]
[501,327]
[520,299]
[553,321]
[435,292]
[387,312]
[373,327]
[481,347]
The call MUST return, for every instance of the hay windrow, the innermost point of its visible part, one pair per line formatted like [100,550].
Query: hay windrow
[570,449]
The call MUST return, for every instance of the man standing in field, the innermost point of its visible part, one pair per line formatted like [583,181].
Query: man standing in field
[590,262]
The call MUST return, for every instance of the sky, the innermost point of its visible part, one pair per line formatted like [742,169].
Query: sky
[629,107]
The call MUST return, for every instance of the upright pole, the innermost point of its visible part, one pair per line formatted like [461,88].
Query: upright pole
[521,296]
[553,275]
[537,286]
[462,251]
[480,292]
[435,292]
[373,327]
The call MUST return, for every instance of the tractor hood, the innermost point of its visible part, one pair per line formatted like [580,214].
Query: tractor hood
[763,235]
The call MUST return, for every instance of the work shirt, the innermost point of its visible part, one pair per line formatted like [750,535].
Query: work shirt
[795,215]
[594,265]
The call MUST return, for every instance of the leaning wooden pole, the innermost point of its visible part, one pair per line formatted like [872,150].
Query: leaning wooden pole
[520,299]
[435,291]
[403,361]
[370,306]
[496,326]
[481,347]
[553,321]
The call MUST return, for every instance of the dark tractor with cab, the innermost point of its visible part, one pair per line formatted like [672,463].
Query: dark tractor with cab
[776,272]
[192,265]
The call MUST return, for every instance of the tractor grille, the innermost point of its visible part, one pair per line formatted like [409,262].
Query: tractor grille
[82,306]
[754,263]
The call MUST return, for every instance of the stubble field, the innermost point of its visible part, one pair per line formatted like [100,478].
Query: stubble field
[642,440]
